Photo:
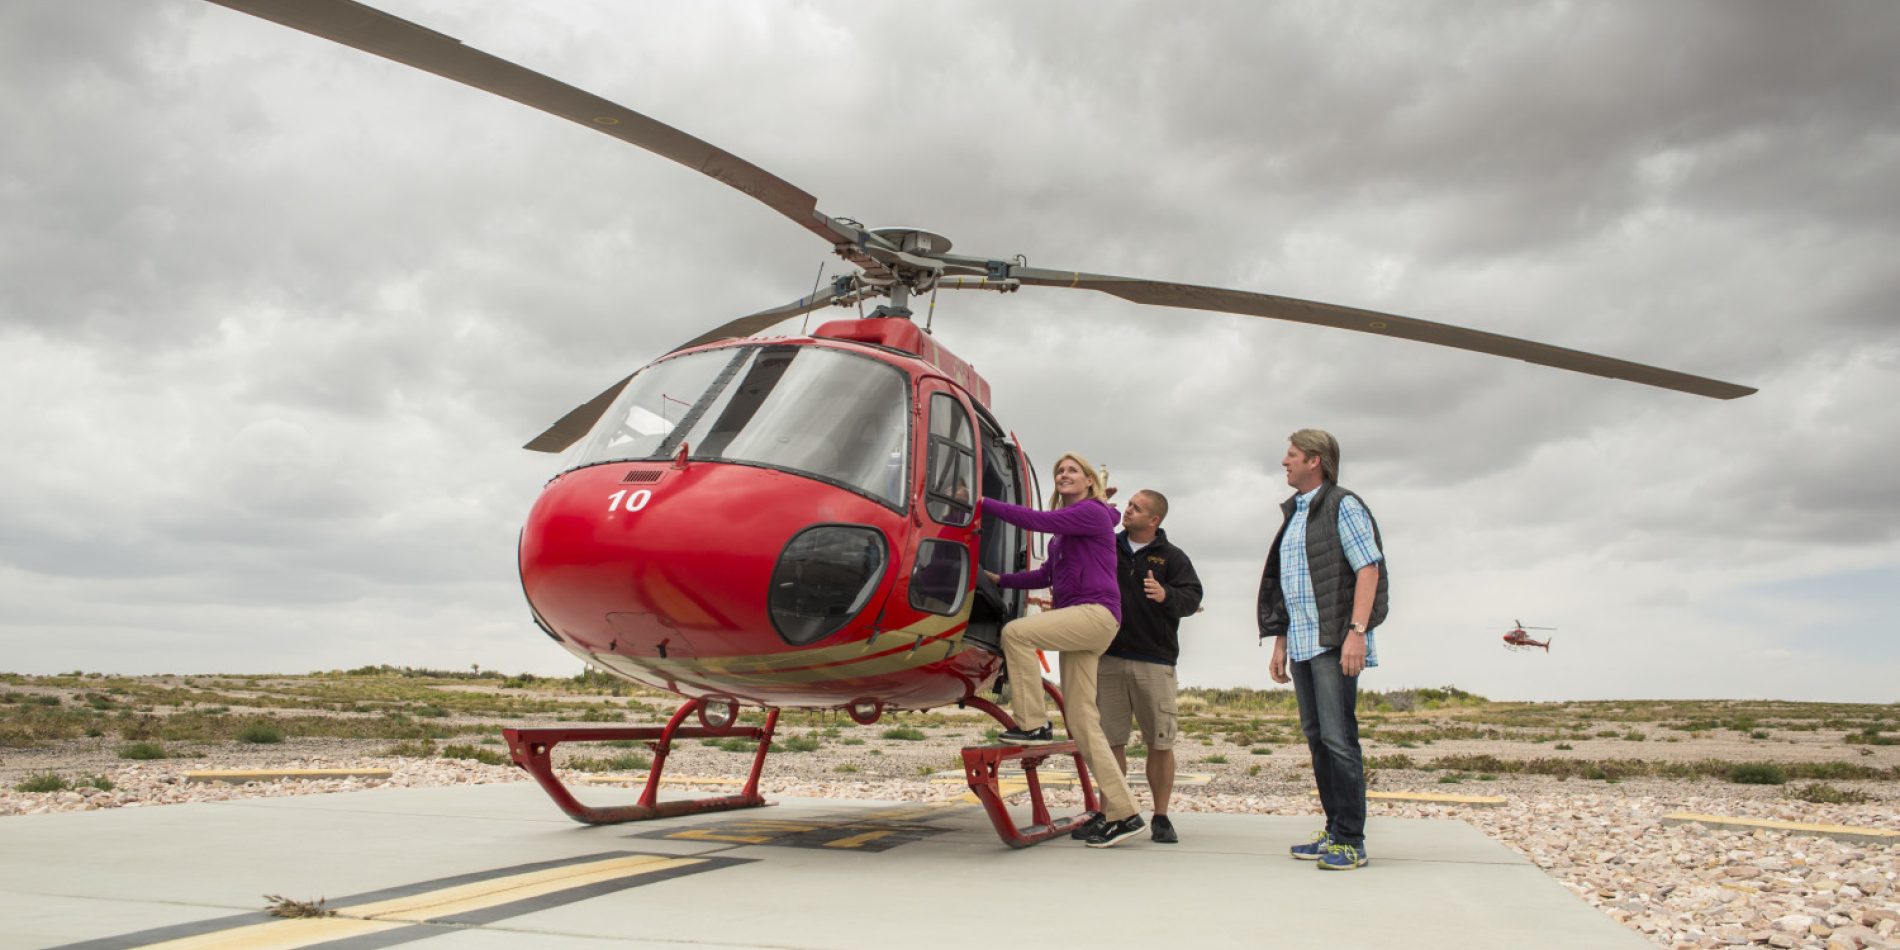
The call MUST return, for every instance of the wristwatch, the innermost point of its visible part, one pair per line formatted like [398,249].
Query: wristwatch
[1355,628]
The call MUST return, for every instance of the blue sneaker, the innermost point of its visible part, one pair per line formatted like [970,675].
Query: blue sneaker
[1343,857]
[1311,850]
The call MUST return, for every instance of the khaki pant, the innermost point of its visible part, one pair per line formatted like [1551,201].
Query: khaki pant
[1080,634]
[1141,691]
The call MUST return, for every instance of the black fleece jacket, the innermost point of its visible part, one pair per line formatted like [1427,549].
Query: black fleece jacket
[1151,632]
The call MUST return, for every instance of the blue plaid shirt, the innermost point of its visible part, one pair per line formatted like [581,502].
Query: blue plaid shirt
[1296,582]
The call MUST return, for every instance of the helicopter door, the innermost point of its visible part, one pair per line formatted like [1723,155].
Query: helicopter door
[940,576]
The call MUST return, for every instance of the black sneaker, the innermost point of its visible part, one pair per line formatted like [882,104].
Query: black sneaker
[1089,829]
[1164,830]
[1039,734]
[1116,832]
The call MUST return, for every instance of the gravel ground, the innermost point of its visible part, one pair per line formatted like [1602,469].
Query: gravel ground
[1680,886]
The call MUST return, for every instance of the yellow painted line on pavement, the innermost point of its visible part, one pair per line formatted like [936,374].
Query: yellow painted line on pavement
[378,916]
[281,934]
[669,780]
[856,841]
[906,812]
[1005,786]
[267,775]
[1840,832]
[1013,781]
[1432,798]
[451,901]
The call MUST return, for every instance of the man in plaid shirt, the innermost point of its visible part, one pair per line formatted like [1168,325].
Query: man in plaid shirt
[1321,596]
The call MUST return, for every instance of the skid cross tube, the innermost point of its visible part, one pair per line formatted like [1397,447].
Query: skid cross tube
[983,767]
[533,749]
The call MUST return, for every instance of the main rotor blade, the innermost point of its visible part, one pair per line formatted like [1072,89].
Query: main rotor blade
[578,420]
[373,31]
[581,418]
[754,323]
[1191,297]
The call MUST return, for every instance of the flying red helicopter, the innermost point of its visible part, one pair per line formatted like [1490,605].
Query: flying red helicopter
[794,522]
[1517,639]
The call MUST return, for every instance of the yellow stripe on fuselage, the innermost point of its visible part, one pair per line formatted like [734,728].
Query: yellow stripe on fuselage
[892,651]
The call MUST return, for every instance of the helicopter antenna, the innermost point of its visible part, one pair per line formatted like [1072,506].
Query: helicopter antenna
[802,324]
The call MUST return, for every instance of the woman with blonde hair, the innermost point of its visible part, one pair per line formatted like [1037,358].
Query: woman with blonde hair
[1085,613]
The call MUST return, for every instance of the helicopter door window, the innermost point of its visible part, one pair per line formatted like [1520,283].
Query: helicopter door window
[941,577]
[952,462]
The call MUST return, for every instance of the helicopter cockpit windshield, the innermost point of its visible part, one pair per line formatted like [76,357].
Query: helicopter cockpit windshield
[832,415]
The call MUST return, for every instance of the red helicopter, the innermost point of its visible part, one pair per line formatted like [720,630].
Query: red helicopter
[795,522]
[1517,639]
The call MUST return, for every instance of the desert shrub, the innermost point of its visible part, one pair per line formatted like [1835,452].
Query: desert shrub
[1838,771]
[846,767]
[624,762]
[412,749]
[141,751]
[1821,793]
[906,733]
[43,782]
[797,744]
[260,733]
[1215,760]
[1757,773]
[1477,763]
[477,754]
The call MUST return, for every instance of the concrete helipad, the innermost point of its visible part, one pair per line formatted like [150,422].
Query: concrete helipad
[497,866]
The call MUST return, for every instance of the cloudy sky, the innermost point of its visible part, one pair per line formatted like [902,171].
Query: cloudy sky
[275,314]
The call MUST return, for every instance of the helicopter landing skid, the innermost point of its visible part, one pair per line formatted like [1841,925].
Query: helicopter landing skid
[532,749]
[983,766]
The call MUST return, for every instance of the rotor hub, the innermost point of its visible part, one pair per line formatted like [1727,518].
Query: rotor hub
[914,240]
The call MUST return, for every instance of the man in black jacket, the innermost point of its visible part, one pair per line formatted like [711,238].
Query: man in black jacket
[1136,677]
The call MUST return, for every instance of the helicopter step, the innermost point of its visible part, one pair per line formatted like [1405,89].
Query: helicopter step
[983,767]
[533,749]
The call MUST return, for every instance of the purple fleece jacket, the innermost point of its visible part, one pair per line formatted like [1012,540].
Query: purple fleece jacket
[1080,568]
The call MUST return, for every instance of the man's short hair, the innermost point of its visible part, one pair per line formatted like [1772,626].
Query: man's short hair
[1157,503]
[1319,442]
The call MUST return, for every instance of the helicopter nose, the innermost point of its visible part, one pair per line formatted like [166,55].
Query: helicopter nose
[717,561]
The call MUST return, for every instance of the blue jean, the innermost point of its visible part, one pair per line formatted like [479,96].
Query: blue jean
[1328,699]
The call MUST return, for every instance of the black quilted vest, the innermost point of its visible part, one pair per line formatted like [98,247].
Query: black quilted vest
[1333,576]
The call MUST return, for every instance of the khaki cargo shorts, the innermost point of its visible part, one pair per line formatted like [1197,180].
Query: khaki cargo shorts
[1133,690]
